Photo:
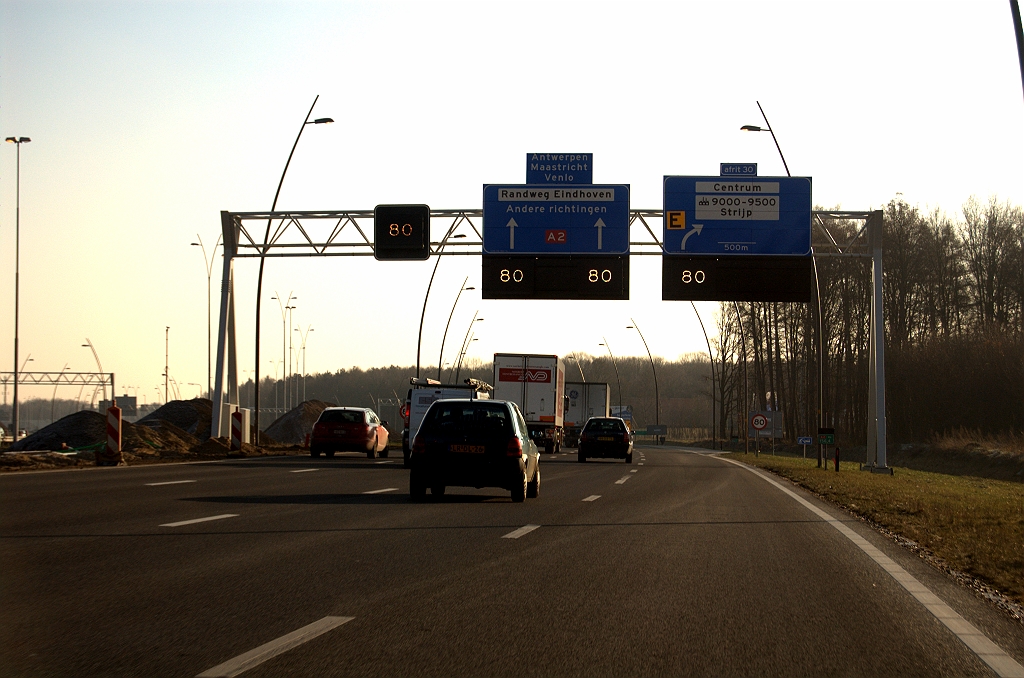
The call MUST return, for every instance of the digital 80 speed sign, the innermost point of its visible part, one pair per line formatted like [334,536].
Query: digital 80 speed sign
[401,232]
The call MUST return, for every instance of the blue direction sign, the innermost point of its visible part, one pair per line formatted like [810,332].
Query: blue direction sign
[559,168]
[731,215]
[542,219]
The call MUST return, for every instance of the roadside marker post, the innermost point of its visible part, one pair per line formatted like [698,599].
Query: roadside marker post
[111,455]
[236,431]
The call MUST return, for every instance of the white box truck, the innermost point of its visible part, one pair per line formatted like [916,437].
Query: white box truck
[426,391]
[536,383]
[583,401]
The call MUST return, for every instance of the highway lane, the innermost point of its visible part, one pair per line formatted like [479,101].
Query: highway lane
[682,565]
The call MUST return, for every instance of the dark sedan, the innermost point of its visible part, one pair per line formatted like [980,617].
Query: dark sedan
[474,443]
[605,437]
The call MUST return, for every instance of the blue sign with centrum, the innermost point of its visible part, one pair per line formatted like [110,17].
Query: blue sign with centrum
[540,219]
[559,168]
[737,216]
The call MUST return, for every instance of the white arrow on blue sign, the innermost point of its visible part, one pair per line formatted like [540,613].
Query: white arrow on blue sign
[544,219]
[737,216]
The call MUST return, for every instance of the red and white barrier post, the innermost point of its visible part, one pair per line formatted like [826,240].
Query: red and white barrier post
[112,456]
[236,431]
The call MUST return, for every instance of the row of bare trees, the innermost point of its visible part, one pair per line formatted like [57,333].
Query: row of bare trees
[953,296]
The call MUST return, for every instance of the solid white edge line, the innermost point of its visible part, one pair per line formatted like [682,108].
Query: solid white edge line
[386,489]
[622,480]
[1003,664]
[516,534]
[252,658]
[200,520]
[304,470]
[170,482]
[593,497]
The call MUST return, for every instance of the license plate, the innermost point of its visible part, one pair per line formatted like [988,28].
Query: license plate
[340,431]
[467,449]
[606,438]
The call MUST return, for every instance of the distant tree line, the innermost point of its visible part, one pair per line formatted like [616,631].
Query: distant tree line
[952,293]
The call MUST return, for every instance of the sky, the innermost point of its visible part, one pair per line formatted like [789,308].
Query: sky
[148,118]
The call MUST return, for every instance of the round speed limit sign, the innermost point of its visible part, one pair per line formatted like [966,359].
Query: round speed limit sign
[759,422]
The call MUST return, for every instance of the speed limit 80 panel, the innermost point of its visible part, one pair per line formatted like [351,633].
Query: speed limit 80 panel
[737,278]
[555,277]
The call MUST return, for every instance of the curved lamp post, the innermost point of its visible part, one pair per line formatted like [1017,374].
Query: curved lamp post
[53,398]
[618,384]
[444,241]
[657,404]
[263,253]
[579,366]
[465,343]
[817,287]
[302,348]
[445,336]
[209,329]
[88,344]
[17,141]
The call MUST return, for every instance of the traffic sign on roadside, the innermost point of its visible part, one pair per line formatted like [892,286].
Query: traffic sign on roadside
[737,216]
[805,440]
[545,219]
[759,422]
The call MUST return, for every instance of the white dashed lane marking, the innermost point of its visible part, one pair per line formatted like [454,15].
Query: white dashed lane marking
[593,497]
[386,489]
[622,480]
[516,534]
[170,482]
[633,471]
[200,520]
[253,658]
[304,470]
[384,462]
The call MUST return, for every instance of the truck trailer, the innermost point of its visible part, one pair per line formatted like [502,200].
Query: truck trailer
[583,401]
[536,383]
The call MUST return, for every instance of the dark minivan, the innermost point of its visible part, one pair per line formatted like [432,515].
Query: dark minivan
[474,443]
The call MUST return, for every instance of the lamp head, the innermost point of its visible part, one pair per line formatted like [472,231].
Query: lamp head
[470,288]
[752,128]
[323,121]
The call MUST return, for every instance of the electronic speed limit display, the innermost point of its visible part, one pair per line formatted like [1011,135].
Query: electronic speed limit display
[751,278]
[555,277]
[401,232]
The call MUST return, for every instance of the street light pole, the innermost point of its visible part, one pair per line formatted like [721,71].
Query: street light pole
[53,398]
[657,404]
[618,384]
[743,338]
[263,255]
[445,335]
[209,273]
[17,141]
[302,348]
[423,312]
[465,342]
[99,365]
[284,342]
[817,286]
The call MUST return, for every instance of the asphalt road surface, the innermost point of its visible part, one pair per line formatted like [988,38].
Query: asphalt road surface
[679,564]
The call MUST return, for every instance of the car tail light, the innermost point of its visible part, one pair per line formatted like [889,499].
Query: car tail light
[418,446]
[367,431]
[584,437]
[515,448]
[319,429]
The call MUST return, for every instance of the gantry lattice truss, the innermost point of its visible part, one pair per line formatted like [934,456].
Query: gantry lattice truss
[348,233]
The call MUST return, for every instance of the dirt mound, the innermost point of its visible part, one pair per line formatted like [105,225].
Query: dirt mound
[292,427]
[192,416]
[77,430]
[157,437]
[43,461]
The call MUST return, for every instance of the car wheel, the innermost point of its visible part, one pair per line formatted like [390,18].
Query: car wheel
[314,453]
[417,488]
[519,491]
[330,454]
[405,461]
[629,458]
[384,453]
[533,487]
[580,457]
[372,454]
[437,491]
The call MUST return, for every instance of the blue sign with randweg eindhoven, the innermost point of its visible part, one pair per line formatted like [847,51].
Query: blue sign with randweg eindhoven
[726,215]
[542,219]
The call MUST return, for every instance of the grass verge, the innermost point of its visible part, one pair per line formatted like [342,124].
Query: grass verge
[975,526]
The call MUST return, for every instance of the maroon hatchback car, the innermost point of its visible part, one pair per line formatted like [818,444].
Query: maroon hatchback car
[348,429]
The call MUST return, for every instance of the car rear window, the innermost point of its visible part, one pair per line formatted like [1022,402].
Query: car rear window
[341,417]
[445,416]
[605,425]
